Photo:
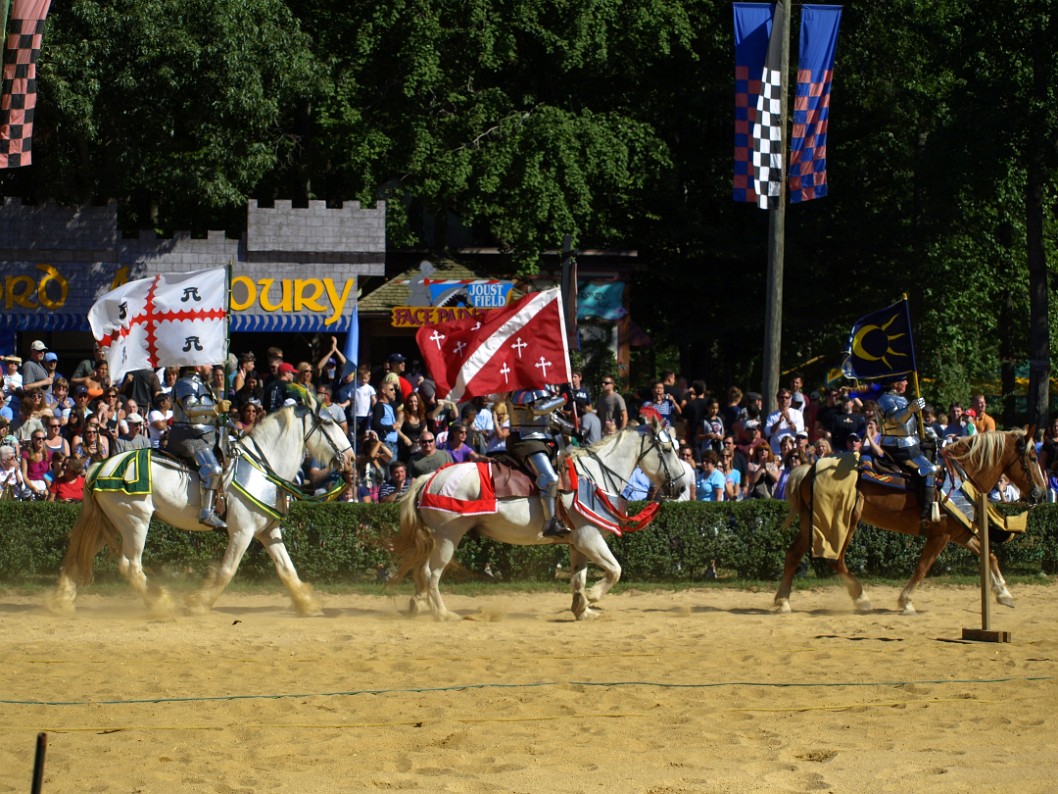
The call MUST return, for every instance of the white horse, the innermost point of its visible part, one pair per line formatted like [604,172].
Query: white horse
[428,538]
[277,445]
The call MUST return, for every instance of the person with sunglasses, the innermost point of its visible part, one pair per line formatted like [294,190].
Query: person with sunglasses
[785,421]
[611,405]
[54,440]
[429,458]
[36,461]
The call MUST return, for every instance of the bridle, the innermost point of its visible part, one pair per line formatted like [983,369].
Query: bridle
[659,440]
[316,426]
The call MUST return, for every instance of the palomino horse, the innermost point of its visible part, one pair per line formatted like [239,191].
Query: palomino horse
[277,445]
[982,459]
[428,538]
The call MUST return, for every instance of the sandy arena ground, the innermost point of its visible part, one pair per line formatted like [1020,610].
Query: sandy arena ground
[697,691]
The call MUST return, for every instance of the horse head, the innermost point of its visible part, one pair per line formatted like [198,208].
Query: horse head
[1032,480]
[324,437]
[659,456]
[986,456]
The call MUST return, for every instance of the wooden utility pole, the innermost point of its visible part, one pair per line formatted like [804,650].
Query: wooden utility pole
[777,239]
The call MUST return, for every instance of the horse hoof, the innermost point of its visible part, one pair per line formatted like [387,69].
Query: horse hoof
[1006,599]
[863,605]
[908,609]
[589,614]
[59,604]
[782,606]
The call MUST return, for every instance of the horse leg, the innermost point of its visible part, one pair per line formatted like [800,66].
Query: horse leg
[578,579]
[130,564]
[202,600]
[442,554]
[935,543]
[593,547]
[305,601]
[999,584]
[797,550]
[853,585]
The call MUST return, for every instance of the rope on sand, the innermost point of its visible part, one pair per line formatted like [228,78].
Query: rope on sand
[463,687]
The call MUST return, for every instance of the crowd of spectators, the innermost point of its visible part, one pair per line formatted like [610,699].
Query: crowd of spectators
[52,427]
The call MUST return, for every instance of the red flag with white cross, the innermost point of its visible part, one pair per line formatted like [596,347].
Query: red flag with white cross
[522,346]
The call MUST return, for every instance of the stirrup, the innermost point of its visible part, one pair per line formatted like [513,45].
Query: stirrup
[212,520]
[556,529]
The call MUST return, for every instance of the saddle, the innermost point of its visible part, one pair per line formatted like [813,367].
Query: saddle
[509,477]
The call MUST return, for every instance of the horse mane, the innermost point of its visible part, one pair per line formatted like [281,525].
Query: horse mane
[981,451]
[269,429]
[598,446]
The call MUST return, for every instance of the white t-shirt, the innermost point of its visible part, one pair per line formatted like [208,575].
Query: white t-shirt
[362,400]
[153,433]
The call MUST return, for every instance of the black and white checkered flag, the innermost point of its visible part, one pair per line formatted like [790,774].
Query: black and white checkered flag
[766,138]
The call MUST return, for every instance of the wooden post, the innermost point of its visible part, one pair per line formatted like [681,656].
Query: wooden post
[38,763]
[777,242]
[985,633]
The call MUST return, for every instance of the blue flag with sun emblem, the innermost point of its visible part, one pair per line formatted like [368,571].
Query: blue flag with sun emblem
[880,345]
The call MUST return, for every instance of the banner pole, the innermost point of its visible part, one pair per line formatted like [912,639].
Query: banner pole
[914,377]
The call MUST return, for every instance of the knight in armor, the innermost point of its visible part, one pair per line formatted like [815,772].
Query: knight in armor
[900,441]
[534,421]
[194,434]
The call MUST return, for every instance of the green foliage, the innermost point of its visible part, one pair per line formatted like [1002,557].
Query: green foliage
[607,120]
[339,542]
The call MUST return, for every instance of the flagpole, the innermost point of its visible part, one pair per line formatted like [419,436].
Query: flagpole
[777,240]
[914,378]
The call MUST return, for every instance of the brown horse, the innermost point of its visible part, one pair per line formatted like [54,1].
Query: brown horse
[981,458]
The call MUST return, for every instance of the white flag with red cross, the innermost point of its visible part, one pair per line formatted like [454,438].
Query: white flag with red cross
[169,320]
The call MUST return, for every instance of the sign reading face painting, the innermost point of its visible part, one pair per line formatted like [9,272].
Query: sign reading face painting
[443,300]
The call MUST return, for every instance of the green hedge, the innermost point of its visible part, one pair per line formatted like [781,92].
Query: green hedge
[338,542]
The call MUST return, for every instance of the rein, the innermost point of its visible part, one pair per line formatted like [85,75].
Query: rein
[612,477]
[258,458]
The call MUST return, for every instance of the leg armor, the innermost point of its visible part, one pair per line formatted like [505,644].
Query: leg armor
[209,477]
[547,482]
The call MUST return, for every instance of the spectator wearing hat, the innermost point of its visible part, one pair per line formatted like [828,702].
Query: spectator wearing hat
[12,386]
[51,366]
[330,367]
[969,418]
[853,443]
[134,438]
[276,391]
[34,373]
[397,363]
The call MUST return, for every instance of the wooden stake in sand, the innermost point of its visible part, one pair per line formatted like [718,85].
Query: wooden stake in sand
[985,633]
[38,763]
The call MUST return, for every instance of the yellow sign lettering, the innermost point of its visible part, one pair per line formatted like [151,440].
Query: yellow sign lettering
[51,275]
[337,301]
[19,292]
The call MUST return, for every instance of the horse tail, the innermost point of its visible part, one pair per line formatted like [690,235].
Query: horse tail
[90,533]
[414,542]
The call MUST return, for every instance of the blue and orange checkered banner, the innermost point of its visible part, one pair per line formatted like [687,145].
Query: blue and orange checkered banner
[753,22]
[811,116]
